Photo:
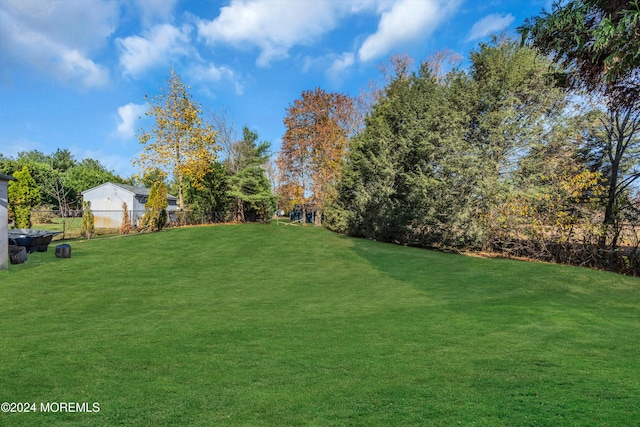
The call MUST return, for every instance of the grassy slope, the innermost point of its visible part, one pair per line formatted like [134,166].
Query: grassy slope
[266,325]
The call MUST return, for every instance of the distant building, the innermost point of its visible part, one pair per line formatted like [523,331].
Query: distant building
[106,203]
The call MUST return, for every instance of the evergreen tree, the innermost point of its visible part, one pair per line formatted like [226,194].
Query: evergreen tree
[212,200]
[23,195]
[88,226]
[406,178]
[125,226]
[249,187]
[439,153]
[156,215]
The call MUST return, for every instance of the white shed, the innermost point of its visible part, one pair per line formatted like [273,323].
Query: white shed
[106,203]
[4,221]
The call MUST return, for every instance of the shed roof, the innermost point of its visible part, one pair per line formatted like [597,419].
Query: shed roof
[4,177]
[138,191]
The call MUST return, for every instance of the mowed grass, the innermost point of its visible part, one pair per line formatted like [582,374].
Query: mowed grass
[256,325]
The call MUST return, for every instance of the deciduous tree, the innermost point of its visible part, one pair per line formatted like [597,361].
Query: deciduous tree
[59,176]
[180,143]
[598,42]
[211,201]
[318,126]
[614,152]
[86,174]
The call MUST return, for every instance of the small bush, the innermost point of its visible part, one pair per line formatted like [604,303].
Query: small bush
[44,215]
[155,217]
[125,227]
[88,227]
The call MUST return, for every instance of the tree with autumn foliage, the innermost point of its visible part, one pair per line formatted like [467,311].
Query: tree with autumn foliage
[180,143]
[318,126]
[598,42]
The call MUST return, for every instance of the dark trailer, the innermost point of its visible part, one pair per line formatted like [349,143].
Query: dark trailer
[32,240]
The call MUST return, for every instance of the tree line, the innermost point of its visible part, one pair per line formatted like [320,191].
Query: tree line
[51,182]
[530,151]
[181,149]
[180,155]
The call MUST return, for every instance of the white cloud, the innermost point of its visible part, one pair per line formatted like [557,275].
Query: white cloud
[82,25]
[212,74]
[276,26]
[129,115]
[341,64]
[405,21]
[158,45]
[153,11]
[490,24]
[57,37]
[273,26]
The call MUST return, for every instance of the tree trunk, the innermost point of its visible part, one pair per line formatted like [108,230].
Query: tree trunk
[239,216]
[609,211]
[616,150]
[317,221]
[180,196]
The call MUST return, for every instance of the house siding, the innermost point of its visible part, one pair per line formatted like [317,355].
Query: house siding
[106,204]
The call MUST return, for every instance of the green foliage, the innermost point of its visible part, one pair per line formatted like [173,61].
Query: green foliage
[596,40]
[180,143]
[599,43]
[150,177]
[249,187]
[23,196]
[515,101]
[156,216]
[403,179]
[213,197]
[87,174]
[59,177]
[88,228]
[485,158]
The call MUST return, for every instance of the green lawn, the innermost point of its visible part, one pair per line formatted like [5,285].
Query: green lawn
[71,229]
[265,325]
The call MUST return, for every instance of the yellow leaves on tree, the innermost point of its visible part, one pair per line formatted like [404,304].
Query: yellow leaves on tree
[554,215]
[315,142]
[179,143]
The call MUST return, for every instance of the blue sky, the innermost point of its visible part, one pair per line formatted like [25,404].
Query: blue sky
[74,73]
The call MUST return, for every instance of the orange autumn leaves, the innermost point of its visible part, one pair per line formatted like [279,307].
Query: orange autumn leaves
[318,126]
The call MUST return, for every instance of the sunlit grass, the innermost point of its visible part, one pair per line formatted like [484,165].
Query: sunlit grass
[282,325]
